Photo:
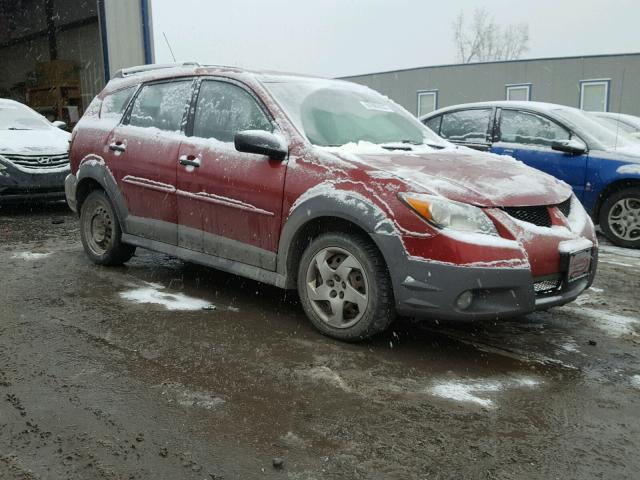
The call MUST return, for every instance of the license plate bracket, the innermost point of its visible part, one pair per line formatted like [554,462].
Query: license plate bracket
[578,264]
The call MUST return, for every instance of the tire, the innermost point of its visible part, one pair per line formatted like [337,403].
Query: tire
[620,217]
[336,268]
[100,231]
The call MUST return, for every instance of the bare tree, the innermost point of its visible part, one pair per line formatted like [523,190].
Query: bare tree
[483,41]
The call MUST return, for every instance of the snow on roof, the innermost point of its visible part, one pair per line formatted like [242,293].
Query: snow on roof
[7,102]
[528,105]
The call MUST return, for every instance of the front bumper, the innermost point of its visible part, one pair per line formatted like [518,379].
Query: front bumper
[427,289]
[18,184]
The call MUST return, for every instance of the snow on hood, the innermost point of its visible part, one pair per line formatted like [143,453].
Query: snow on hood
[462,174]
[50,141]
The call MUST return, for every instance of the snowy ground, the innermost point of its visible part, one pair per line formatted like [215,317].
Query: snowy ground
[163,369]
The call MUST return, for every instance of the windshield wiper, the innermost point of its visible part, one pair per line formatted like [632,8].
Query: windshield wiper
[392,146]
[18,128]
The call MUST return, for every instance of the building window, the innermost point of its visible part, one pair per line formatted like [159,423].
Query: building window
[427,101]
[520,91]
[594,95]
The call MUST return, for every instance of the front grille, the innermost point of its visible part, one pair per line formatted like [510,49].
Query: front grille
[565,207]
[39,162]
[547,287]
[537,215]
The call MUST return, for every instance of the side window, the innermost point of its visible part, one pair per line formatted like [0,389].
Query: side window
[161,105]
[434,124]
[223,109]
[529,129]
[114,104]
[466,126]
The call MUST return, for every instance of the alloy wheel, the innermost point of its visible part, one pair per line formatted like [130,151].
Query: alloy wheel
[337,287]
[624,219]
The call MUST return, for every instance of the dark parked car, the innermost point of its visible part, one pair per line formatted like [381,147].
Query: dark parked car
[602,165]
[34,158]
[326,187]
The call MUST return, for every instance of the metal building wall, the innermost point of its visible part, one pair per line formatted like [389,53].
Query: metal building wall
[126,28]
[554,80]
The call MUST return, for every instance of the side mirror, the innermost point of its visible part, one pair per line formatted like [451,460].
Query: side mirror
[573,146]
[59,124]
[263,143]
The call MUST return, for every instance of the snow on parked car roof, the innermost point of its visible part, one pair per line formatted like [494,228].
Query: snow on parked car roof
[528,105]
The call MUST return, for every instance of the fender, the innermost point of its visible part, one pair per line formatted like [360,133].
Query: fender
[94,167]
[343,204]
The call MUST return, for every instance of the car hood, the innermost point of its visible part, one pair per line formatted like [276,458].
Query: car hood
[50,141]
[469,176]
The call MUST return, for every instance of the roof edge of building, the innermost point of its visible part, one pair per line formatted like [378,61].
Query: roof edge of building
[573,57]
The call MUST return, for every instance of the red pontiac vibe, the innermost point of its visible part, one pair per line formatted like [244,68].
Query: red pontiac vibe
[326,187]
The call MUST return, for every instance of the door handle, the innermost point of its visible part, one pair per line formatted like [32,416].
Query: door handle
[189,160]
[118,146]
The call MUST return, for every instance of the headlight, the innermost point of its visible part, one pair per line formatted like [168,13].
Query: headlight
[444,213]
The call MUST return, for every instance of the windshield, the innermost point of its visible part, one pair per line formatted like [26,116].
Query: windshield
[333,113]
[17,117]
[585,124]
[612,123]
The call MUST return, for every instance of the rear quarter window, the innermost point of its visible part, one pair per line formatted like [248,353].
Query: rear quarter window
[114,104]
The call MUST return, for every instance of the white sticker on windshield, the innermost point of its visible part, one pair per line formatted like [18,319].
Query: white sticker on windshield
[377,106]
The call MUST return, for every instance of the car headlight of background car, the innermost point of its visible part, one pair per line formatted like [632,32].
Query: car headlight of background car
[443,213]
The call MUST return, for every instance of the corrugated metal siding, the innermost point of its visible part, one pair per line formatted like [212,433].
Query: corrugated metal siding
[553,80]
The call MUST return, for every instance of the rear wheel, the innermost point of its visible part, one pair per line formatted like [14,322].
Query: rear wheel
[100,231]
[345,288]
[620,217]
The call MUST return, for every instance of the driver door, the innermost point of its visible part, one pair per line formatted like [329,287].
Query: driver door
[229,202]
[528,137]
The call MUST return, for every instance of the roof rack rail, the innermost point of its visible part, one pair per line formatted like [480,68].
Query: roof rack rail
[125,72]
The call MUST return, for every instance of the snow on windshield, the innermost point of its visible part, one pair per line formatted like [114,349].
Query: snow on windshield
[333,113]
[584,123]
[14,116]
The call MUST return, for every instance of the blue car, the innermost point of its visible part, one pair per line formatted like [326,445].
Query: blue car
[602,165]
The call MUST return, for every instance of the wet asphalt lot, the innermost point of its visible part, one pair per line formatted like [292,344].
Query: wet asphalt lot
[94,384]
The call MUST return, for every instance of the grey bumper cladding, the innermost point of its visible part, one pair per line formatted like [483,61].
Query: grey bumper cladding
[432,290]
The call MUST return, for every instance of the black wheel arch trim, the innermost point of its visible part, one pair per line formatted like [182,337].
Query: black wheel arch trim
[93,168]
[348,206]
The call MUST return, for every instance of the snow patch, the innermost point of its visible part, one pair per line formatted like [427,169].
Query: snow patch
[29,256]
[570,346]
[152,293]
[471,391]
[633,169]
[325,374]
[181,395]
[611,323]
[635,381]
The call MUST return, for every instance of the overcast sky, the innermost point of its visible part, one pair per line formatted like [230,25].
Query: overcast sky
[344,37]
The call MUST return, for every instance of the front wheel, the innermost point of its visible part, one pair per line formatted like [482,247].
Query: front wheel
[620,218]
[100,231]
[344,287]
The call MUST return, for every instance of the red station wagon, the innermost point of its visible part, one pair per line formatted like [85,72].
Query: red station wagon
[326,187]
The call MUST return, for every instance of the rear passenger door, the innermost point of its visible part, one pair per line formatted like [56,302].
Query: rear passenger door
[143,157]
[471,128]
[229,202]
[528,137]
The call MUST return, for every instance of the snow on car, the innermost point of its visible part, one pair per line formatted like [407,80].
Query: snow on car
[326,187]
[34,158]
[602,164]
